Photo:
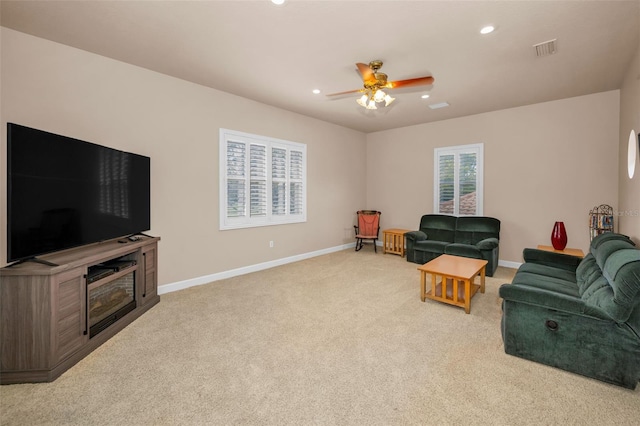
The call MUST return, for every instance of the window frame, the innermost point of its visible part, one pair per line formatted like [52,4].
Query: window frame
[269,218]
[478,149]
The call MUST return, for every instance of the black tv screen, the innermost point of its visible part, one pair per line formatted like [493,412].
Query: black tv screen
[64,192]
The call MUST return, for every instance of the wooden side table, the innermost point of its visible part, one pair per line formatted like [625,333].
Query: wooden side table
[393,241]
[570,251]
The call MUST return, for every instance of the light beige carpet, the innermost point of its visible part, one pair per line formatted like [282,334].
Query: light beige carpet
[341,339]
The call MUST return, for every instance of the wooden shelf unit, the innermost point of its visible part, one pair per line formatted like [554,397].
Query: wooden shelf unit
[601,220]
[44,309]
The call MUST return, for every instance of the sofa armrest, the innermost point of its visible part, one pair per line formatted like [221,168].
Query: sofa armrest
[541,297]
[414,236]
[487,244]
[549,299]
[549,258]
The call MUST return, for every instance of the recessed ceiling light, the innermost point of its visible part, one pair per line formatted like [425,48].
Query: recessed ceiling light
[488,29]
[278,2]
[424,96]
[316,91]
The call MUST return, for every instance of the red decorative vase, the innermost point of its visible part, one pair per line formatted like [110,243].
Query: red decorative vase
[559,236]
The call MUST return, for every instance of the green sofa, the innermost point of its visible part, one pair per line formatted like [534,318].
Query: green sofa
[580,315]
[477,237]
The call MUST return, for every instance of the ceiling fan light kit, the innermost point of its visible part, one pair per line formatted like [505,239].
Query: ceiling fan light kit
[375,81]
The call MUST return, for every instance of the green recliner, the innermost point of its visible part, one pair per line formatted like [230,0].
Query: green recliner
[580,315]
[476,237]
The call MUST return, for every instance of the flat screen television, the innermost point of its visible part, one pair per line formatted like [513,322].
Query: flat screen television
[64,192]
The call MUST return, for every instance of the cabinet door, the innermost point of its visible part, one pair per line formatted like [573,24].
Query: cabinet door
[69,302]
[149,273]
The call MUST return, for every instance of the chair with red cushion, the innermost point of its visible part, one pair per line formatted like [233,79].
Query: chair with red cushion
[368,227]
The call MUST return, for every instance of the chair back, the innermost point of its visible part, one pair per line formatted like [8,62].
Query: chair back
[368,223]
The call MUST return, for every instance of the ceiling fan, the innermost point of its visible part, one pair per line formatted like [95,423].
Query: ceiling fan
[375,81]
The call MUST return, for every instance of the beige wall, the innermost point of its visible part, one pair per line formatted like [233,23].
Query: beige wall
[74,93]
[629,210]
[543,163]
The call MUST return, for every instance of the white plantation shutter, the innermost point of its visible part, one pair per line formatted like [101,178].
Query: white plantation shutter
[278,181]
[458,180]
[236,154]
[262,181]
[467,184]
[446,191]
[296,182]
[258,171]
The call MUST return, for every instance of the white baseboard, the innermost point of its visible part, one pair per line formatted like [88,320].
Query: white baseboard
[181,285]
[509,264]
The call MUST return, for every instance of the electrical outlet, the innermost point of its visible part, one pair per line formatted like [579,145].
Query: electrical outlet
[270,244]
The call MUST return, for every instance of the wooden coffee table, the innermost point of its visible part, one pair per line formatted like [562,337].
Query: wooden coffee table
[457,285]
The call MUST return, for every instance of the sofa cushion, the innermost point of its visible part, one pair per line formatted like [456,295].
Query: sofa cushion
[622,271]
[431,246]
[594,286]
[606,249]
[608,236]
[473,229]
[463,250]
[586,272]
[439,227]
[609,277]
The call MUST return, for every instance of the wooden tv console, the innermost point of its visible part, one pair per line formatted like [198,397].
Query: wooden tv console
[44,310]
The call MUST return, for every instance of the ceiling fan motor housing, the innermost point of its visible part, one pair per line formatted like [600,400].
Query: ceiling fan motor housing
[375,65]
[381,78]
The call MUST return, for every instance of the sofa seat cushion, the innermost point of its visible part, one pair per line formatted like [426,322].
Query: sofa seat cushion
[431,246]
[463,250]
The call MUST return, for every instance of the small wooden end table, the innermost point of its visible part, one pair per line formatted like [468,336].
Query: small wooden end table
[393,241]
[570,251]
[454,270]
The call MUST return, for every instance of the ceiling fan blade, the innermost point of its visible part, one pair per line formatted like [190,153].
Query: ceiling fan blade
[366,72]
[346,93]
[420,81]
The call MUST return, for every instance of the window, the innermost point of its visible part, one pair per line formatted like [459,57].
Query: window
[458,180]
[262,181]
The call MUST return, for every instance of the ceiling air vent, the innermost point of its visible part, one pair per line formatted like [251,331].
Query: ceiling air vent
[440,105]
[547,48]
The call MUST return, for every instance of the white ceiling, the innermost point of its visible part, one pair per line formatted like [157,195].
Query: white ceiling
[278,54]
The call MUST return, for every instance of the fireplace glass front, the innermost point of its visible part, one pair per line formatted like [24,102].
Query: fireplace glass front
[110,301]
